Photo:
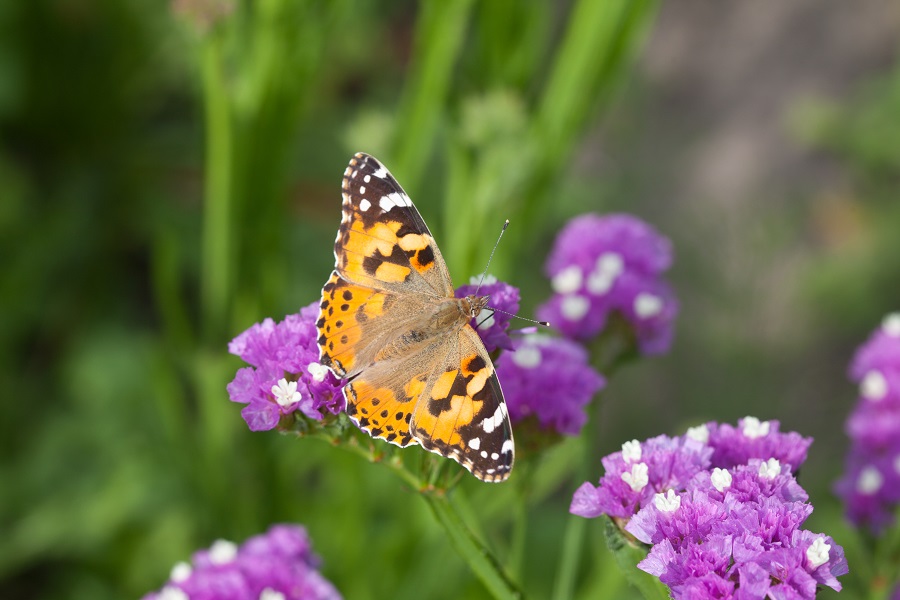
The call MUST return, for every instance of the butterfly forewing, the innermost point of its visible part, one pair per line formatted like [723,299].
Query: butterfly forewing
[390,325]
[382,240]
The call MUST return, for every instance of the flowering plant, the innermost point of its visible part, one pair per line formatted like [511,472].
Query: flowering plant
[722,510]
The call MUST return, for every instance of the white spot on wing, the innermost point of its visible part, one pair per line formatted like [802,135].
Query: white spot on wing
[507,446]
[475,443]
[493,422]
[380,172]
[386,203]
[364,205]
[362,189]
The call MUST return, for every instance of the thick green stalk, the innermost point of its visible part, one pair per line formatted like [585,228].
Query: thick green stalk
[215,276]
[573,541]
[471,549]
[440,33]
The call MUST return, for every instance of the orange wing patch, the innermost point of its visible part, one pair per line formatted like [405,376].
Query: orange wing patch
[343,309]
[380,411]
[384,251]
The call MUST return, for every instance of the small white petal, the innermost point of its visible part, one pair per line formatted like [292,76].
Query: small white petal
[638,478]
[170,592]
[180,572]
[574,308]
[647,306]
[818,552]
[222,552]
[527,356]
[285,392]
[699,433]
[721,479]
[891,324]
[488,280]
[270,594]
[770,469]
[870,481]
[599,283]
[317,371]
[668,502]
[873,386]
[568,280]
[610,263]
[754,428]
[631,451]
[485,319]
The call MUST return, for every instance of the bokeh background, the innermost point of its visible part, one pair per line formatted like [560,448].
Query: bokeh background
[169,175]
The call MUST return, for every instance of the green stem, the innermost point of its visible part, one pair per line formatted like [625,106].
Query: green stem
[391,461]
[573,540]
[215,283]
[440,32]
[471,549]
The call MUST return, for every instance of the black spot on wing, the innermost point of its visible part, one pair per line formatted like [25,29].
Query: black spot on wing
[425,256]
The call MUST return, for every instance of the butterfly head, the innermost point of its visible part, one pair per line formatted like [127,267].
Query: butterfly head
[471,306]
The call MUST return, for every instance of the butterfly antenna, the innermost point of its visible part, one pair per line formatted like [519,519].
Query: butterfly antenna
[491,257]
[515,316]
[484,274]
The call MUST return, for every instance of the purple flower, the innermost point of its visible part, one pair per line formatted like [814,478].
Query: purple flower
[277,565]
[548,379]
[636,474]
[870,486]
[601,265]
[493,325]
[718,528]
[880,352]
[285,375]
[753,438]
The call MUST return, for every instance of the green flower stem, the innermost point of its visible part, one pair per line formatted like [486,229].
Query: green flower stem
[601,39]
[573,540]
[216,245]
[390,460]
[440,33]
[471,549]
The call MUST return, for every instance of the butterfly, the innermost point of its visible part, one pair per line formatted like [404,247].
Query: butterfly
[390,324]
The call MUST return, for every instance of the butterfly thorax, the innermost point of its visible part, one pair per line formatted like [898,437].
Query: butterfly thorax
[442,317]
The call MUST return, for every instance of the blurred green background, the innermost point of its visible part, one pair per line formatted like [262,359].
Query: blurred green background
[169,175]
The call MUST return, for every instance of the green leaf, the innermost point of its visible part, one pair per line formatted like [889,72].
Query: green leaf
[629,552]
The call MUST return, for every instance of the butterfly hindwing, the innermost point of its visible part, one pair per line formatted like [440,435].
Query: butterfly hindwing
[461,413]
[383,241]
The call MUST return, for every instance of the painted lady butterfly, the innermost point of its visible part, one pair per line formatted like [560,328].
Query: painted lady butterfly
[389,323]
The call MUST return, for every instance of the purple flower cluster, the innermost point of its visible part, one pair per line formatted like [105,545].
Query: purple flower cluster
[286,375]
[549,379]
[602,265]
[870,487]
[722,510]
[492,327]
[277,565]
